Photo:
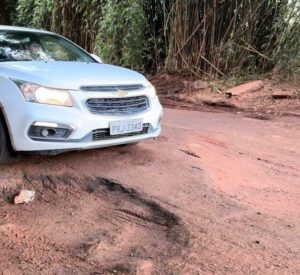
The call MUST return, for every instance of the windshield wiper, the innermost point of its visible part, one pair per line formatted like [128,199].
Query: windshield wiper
[5,59]
[15,60]
[25,59]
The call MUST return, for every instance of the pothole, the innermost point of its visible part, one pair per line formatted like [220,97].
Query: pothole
[89,225]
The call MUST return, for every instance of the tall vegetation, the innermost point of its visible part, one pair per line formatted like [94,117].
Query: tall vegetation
[121,37]
[229,37]
[215,38]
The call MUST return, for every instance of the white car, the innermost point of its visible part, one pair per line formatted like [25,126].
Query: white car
[55,97]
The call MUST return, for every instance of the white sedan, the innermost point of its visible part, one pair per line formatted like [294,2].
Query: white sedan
[56,97]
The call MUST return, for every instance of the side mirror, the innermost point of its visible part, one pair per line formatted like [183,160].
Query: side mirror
[97,58]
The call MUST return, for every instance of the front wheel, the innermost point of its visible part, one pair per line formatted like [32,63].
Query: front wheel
[7,155]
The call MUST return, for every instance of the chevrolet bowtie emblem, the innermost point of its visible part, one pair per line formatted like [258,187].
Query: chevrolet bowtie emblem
[120,93]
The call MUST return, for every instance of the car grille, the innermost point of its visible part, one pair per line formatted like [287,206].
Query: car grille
[112,88]
[118,106]
[103,134]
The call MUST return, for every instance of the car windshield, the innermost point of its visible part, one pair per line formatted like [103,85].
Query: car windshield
[29,46]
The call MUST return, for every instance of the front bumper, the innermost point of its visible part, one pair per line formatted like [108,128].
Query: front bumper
[21,116]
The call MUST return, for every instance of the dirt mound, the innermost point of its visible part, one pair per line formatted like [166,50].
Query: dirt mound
[256,98]
[87,225]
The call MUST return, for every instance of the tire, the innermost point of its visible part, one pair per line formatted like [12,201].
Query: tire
[7,155]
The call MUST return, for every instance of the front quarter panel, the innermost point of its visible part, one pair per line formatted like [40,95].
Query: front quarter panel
[11,103]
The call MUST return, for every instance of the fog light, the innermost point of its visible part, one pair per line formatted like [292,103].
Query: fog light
[45,132]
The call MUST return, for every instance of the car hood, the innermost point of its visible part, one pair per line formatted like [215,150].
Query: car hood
[70,75]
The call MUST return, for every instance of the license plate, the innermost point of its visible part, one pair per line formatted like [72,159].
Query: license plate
[126,126]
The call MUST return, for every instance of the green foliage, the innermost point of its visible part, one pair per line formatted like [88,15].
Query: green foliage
[34,13]
[214,38]
[284,43]
[122,34]
[78,20]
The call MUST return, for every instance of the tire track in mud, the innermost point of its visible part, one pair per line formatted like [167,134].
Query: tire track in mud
[89,225]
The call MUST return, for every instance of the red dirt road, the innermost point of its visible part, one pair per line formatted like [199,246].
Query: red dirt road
[216,193]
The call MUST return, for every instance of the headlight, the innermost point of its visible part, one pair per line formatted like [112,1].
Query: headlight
[43,95]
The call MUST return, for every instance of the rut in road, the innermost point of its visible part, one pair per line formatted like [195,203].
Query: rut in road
[89,225]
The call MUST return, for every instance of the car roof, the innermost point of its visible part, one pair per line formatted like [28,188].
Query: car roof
[14,28]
